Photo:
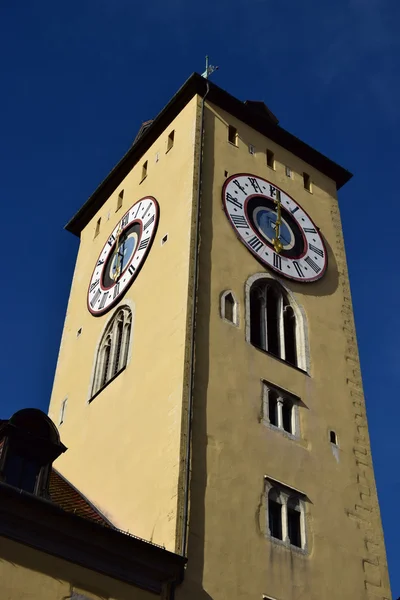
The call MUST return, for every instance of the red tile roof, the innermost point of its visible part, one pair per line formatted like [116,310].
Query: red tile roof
[68,498]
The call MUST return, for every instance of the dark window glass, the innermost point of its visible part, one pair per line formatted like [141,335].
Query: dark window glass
[21,472]
[229,307]
[293,516]
[289,325]
[272,321]
[256,307]
[287,416]
[333,437]
[275,515]
[273,407]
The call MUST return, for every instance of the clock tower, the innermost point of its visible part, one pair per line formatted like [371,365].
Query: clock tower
[208,383]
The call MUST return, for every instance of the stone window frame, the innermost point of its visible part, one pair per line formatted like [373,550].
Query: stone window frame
[302,341]
[236,315]
[283,396]
[286,493]
[122,314]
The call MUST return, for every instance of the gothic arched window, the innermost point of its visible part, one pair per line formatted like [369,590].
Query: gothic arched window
[275,324]
[112,354]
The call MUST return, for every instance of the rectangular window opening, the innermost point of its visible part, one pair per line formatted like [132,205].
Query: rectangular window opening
[120,199]
[307,182]
[252,149]
[270,159]
[273,407]
[232,135]
[287,416]
[97,230]
[170,142]
[288,172]
[275,518]
[144,170]
[294,528]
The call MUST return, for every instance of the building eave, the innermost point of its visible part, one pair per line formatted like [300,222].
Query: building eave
[35,522]
[196,84]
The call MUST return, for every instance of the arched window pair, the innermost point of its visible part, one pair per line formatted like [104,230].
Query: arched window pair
[275,322]
[112,354]
[286,517]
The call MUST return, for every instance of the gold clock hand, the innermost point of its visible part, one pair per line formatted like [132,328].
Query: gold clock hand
[278,246]
[117,255]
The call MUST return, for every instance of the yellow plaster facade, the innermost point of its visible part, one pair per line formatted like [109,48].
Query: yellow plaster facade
[126,448]
[28,574]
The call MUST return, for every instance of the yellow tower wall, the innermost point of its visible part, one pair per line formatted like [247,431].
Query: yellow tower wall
[124,447]
[233,450]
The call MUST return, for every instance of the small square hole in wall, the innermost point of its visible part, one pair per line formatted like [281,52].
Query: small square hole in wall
[226,173]
[120,200]
[164,239]
[232,135]
[307,182]
[97,230]
[144,170]
[270,159]
[171,139]
[78,333]
[252,150]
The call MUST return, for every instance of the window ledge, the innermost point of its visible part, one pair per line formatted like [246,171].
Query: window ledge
[106,384]
[141,181]
[280,430]
[285,362]
[232,144]
[288,545]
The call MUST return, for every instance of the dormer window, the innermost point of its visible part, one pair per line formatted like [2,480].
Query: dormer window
[30,443]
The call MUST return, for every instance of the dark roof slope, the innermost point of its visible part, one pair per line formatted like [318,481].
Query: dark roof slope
[255,114]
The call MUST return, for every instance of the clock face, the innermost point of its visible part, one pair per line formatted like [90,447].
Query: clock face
[251,205]
[123,255]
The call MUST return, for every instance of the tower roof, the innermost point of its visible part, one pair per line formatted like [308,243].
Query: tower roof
[255,114]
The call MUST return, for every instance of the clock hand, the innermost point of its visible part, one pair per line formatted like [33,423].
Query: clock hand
[117,255]
[278,246]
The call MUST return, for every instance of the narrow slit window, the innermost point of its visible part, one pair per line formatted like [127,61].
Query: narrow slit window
[144,170]
[62,411]
[287,416]
[333,437]
[252,149]
[289,327]
[232,135]
[270,159]
[275,514]
[170,142]
[294,522]
[288,172]
[229,308]
[307,182]
[273,408]
[97,230]
[120,199]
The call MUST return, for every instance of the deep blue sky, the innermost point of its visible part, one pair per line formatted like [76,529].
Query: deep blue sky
[77,79]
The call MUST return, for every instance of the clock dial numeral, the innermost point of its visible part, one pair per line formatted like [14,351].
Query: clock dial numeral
[138,208]
[149,222]
[316,250]
[94,284]
[295,209]
[312,264]
[309,230]
[255,184]
[100,262]
[277,262]
[95,298]
[240,222]
[111,240]
[103,300]
[116,290]
[232,200]
[298,269]
[144,243]
[255,243]
[125,220]
[131,270]
[239,185]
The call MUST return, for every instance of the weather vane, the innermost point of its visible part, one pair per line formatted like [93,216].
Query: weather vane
[209,70]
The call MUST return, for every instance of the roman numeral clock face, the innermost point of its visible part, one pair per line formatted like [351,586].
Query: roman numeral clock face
[276,229]
[123,255]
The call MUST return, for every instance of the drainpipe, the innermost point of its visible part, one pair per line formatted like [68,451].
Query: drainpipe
[192,347]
